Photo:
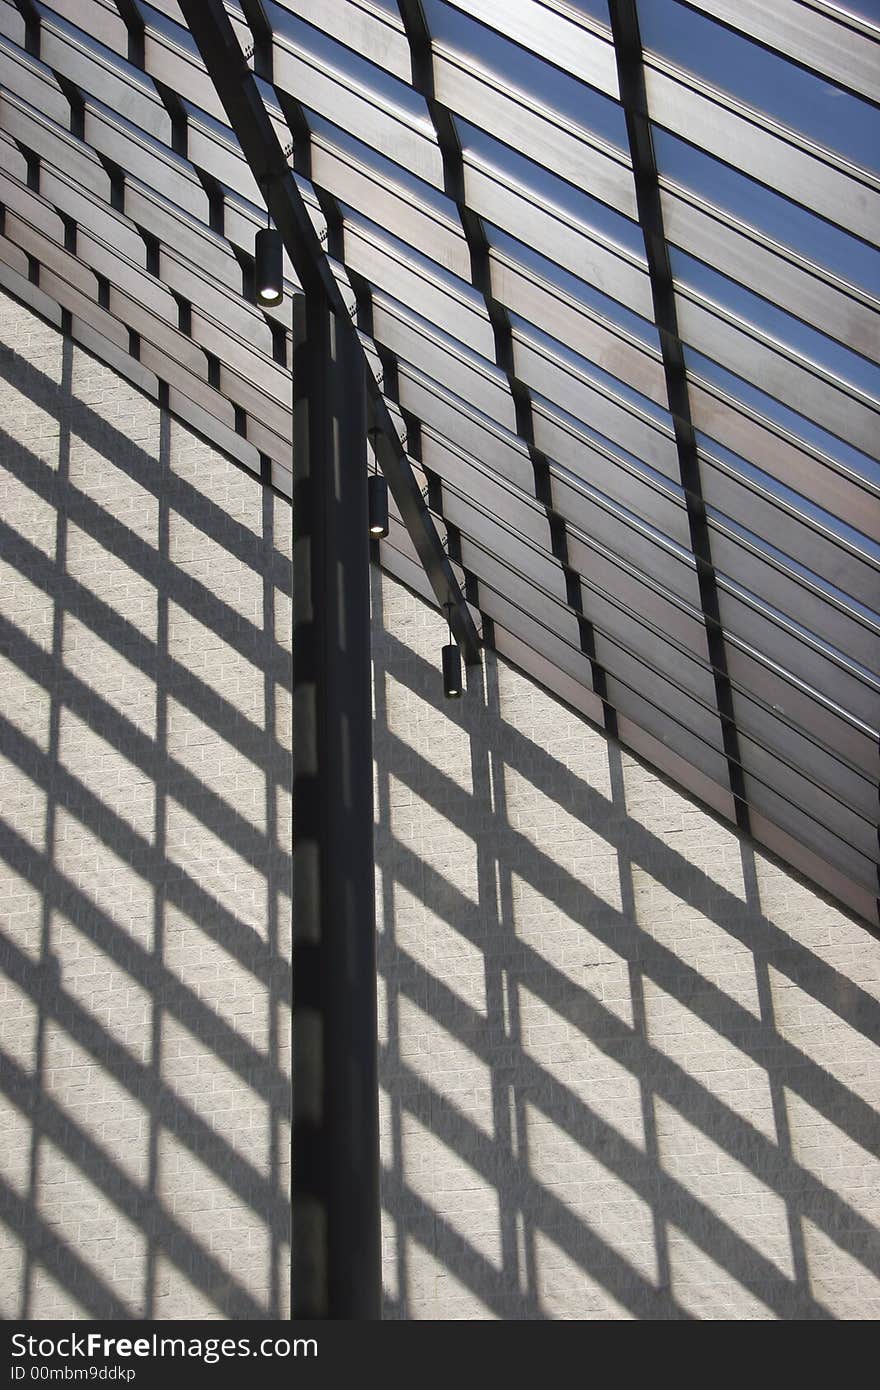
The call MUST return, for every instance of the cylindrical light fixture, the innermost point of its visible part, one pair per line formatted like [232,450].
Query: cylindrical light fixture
[451,671]
[452,684]
[378,496]
[269,270]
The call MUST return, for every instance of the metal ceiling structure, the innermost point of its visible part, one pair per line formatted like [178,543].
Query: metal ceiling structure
[613,267]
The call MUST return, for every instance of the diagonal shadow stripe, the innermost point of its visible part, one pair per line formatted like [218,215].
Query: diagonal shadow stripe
[204,804]
[618,1041]
[155,1095]
[240,635]
[274,761]
[136,1204]
[611,1269]
[237,938]
[607,924]
[125,454]
[239,1055]
[140,556]
[557,1219]
[707,1112]
[448,1246]
[689,882]
[58,1259]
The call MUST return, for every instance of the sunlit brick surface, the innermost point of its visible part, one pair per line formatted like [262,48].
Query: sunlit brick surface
[630,1067]
[145,846]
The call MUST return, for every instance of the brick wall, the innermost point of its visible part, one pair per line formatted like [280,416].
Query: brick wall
[145,855]
[629,1064]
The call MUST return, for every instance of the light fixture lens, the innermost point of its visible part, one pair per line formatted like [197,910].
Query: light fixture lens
[378,499]
[268,272]
[451,671]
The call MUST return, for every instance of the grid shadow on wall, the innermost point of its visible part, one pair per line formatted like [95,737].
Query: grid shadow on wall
[145,835]
[629,1062]
[629,1067]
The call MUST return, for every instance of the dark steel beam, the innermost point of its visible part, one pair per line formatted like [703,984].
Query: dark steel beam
[336,1250]
[631,77]
[801,771]
[239,94]
[336,1253]
[419,38]
[261,30]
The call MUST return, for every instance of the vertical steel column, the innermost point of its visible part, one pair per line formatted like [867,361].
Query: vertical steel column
[634,99]
[336,1247]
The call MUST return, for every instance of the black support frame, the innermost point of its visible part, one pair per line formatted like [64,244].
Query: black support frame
[238,92]
[336,1260]
[630,70]
[418,35]
[730,515]
[336,1248]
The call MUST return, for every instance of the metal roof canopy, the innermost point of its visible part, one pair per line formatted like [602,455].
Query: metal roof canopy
[619,295]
